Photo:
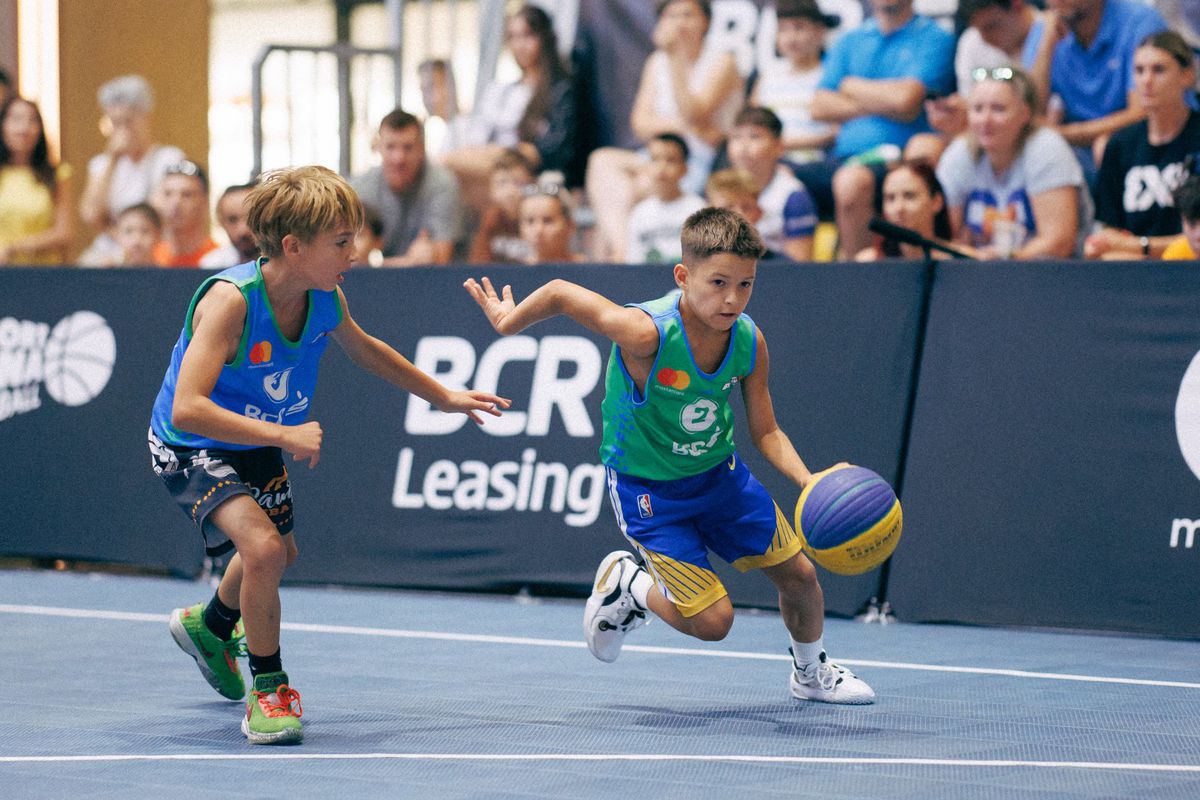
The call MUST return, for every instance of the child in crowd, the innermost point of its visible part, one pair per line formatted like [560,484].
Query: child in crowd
[1187,202]
[734,189]
[786,86]
[547,225]
[235,397]
[789,216]
[498,238]
[137,231]
[368,242]
[677,485]
[655,222]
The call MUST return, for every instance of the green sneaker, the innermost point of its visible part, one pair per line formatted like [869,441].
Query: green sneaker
[273,711]
[216,659]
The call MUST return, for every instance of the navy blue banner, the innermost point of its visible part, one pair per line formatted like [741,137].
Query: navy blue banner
[405,495]
[1052,475]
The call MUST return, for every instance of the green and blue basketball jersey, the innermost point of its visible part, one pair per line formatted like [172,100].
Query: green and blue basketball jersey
[683,424]
[272,377]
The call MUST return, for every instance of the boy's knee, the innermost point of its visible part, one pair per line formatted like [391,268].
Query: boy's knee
[798,577]
[266,552]
[712,624]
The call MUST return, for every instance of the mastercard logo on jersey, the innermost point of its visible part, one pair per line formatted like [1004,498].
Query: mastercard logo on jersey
[674,378]
[260,353]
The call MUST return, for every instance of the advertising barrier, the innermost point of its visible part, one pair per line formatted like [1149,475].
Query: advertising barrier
[405,495]
[1052,472]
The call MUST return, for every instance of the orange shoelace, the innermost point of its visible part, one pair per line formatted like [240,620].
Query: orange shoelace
[285,699]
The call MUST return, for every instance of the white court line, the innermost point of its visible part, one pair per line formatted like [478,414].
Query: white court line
[628,757]
[394,633]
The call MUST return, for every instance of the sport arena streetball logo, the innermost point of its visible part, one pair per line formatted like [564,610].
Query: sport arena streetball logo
[73,360]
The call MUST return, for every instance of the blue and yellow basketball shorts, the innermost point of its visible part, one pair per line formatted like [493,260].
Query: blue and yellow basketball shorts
[675,523]
[200,480]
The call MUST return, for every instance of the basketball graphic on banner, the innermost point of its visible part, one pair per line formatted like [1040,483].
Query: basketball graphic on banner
[78,359]
[1187,415]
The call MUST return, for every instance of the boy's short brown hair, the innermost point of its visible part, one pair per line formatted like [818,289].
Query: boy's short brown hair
[302,201]
[712,231]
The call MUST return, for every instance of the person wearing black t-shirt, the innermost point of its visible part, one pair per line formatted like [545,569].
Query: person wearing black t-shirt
[1145,162]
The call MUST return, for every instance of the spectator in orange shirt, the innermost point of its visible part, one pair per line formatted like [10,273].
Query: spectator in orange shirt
[181,199]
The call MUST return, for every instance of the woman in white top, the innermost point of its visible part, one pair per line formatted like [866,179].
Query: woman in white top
[1014,189]
[534,114]
[686,89]
[131,165]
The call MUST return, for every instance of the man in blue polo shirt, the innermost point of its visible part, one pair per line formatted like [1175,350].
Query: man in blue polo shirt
[1085,56]
[875,81]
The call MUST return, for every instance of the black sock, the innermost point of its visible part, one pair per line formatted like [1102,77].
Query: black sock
[220,618]
[263,664]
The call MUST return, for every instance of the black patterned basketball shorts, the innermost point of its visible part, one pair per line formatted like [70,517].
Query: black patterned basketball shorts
[200,480]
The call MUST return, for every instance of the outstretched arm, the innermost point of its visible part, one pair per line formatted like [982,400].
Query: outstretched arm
[379,358]
[632,330]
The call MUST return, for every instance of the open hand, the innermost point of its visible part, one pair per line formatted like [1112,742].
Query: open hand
[472,402]
[497,308]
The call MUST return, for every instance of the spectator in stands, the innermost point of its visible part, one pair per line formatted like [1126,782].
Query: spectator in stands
[181,200]
[36,219]
[656,222]
[875,81]
[736,190]
[132,164]
[445,127]
[232,211]
[535,114]
[1187,202]
[1144,163]
[913,199]
[787,86]
[789,216]
[368,242]
[418,200]
[1084,55]
[498,237]
[547,224]
[1013,187]
[137,230]
[685,88]
[994,35]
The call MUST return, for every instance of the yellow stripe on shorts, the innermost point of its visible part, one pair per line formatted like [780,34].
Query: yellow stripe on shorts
[784,545]
[691,588]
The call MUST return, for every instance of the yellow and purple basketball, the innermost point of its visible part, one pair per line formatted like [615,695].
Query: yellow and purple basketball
[848,519]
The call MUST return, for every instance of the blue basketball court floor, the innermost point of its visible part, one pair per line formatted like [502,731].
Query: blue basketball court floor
[428,695]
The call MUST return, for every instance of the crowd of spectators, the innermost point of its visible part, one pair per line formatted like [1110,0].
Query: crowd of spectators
[1069,130]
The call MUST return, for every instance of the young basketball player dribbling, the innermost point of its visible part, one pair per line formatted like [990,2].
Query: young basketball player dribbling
[678,487]
[236,394]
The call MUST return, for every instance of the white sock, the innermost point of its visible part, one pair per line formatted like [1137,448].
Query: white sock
[640,587]
[808,653]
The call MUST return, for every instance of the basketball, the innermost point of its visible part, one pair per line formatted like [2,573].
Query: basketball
[79,357]
[848,519]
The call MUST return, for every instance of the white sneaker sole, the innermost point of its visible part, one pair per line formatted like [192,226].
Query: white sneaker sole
[607,578]
[802,692]
[287,736]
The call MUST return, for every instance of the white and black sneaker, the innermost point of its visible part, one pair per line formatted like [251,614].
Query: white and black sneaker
[612,611]
[826,682]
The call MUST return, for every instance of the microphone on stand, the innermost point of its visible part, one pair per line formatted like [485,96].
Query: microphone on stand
[898,233]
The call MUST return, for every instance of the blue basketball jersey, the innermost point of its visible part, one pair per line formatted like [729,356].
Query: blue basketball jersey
[272,378]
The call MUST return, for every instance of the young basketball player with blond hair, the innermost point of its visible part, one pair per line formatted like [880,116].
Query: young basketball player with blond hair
[678,488]
[236,395]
